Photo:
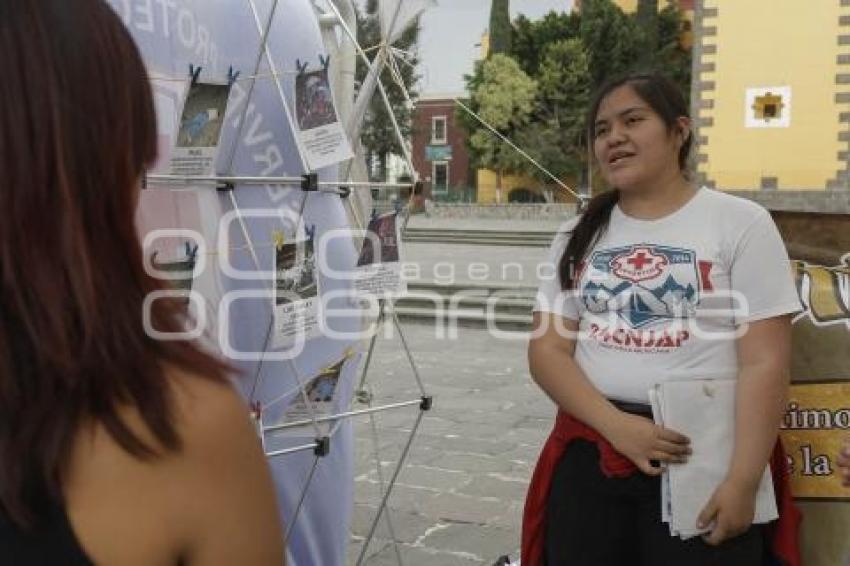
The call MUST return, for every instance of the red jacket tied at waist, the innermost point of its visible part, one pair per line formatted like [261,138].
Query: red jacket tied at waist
[784,541]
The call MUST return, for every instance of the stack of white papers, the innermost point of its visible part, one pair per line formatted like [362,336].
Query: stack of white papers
[704,411]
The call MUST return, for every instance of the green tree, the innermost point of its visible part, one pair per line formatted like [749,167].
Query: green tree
[504,97]
[671,58]
[613,41]
[647,11]
[500,27]
[647,40]
[378,135]
[564,83]
[647,20]
[569,56]
[531,37]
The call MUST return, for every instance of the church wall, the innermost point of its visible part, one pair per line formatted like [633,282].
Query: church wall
[789,54]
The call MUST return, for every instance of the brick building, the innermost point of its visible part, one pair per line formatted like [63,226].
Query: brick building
[439,149]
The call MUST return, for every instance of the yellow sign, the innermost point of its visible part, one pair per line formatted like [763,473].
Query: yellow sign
[815,425]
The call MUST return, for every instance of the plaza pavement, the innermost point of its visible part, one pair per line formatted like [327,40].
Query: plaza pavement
[458,500]
[439,261]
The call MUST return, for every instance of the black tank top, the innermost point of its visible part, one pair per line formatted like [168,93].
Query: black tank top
[52,543]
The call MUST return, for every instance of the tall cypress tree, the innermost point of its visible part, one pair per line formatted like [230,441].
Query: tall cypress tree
[647,19]
[647,11]
[500,27]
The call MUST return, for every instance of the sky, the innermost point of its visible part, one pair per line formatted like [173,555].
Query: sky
[450,32]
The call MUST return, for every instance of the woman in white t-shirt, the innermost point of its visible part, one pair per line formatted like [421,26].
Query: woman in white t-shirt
[657,280]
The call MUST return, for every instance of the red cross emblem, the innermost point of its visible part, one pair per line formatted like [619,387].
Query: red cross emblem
[640,264]
[639,260]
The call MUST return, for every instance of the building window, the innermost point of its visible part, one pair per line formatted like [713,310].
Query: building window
[438,130]
[440,176]
[768,107]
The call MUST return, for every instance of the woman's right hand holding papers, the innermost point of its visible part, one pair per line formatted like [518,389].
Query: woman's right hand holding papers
[642,441]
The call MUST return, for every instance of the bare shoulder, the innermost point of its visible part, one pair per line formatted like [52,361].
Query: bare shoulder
[210,414]
[216,490]
[230,498]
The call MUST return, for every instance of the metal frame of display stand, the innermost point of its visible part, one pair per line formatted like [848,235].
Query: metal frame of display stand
[308,183]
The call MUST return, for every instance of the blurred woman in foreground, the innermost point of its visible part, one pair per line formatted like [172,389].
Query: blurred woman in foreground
[115,448]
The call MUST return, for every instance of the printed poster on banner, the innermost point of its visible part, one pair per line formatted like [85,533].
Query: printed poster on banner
[179,271]
[296,297]
[379,265]
[323,400]
[200,129]
[170,223]
[320,133]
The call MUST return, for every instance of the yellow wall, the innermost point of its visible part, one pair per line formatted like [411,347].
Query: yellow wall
[764,43]
[487,187]
[485,45]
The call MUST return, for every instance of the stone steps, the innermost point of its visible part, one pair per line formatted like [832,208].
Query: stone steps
[479,237]
[473,305]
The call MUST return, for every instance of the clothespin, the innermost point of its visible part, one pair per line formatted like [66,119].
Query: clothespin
[344,192]
[232,76]
[301,68]
[194,73]
[310,182]
[323,446]
[191,252]
[278,238]
[324,61]
[310,231]
[374,213]
[256,412]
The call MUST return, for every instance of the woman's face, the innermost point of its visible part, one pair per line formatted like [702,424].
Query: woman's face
[632,144]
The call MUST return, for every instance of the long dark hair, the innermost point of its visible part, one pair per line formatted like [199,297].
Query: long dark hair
[77,130]
[665,98]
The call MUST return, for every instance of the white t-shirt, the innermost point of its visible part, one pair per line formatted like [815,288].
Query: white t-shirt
[663,299]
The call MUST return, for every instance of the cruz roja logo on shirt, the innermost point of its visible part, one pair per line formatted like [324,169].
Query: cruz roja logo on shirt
[640,264]
[644,285]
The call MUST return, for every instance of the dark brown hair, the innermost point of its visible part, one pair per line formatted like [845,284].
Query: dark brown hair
[77,130]
[666,100]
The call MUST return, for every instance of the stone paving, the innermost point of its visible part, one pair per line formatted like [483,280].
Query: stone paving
[459,499]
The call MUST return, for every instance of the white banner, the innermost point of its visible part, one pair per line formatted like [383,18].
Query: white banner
[229,237]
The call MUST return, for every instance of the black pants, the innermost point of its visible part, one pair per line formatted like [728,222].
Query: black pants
[594,520]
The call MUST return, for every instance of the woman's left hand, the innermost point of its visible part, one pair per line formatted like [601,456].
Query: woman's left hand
[731,509]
